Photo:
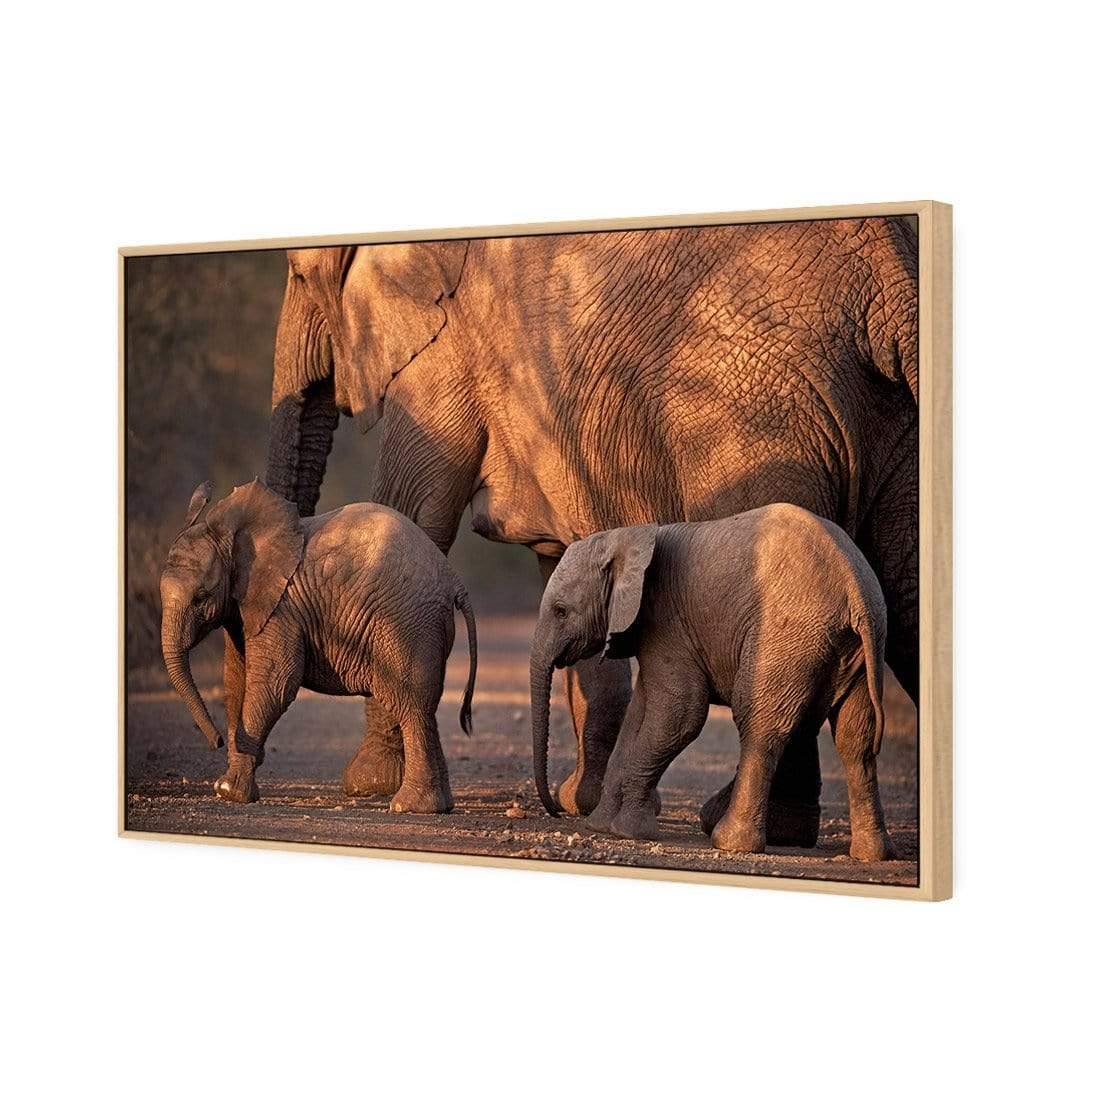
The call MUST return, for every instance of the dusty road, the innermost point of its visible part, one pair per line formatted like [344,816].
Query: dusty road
[170,772]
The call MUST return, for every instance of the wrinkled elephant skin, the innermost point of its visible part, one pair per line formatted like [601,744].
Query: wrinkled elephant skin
[568,384]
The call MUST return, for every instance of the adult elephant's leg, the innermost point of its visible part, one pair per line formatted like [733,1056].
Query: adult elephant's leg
[598,692]
[794,806]
[378,766]
[889,539]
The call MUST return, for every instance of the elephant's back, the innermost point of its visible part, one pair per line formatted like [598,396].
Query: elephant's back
[367,541]
[783,562]
[808,567]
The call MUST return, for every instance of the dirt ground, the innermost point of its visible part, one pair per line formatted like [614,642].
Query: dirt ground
[497,812]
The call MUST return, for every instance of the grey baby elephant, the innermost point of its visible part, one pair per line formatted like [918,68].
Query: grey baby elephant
[358,601]
[774,613]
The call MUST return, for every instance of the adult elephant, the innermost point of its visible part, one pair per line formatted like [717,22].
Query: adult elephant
[564,384]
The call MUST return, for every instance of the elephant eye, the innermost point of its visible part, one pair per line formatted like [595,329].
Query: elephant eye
[560,610]
[200,595]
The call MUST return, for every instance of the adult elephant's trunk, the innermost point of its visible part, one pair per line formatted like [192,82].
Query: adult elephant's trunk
[303,404]
[542,673]
[178,666]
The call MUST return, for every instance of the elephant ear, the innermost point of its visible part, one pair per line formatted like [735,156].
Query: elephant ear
[199,500]
[390,311]
[267,548]
[627,554]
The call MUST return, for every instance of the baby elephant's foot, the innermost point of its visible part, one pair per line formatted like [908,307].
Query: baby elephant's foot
[639,822]
[422,800]
[600,819]
[714,809]
[237,786]
[871,847]
[636,823]
[737,836]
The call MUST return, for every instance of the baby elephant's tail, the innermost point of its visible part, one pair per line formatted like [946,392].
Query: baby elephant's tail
[868,618]
[462,602]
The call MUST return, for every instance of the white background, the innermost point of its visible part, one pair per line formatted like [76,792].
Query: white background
[174,970]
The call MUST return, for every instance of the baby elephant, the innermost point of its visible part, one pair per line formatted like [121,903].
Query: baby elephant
[773,612]
[355,602]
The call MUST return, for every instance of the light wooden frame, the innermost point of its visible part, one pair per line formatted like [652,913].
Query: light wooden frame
[935,534]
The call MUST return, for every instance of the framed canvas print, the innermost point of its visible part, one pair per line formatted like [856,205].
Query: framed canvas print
[620,547]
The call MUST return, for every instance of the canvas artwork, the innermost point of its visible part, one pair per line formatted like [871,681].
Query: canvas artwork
[619,547]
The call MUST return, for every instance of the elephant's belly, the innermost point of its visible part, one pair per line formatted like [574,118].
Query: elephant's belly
[330,673]
[777,484]
[520,515]
[707,467]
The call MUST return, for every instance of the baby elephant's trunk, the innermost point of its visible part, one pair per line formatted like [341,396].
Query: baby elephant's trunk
[542,673]
[178,667]
[465,715]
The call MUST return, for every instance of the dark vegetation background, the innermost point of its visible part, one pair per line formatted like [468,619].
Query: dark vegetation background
[200,335]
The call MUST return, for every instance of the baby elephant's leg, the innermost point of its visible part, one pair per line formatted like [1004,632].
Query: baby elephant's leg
[426,787]
[270,684]
[611,796]
[853,723]
[715,807]
[233,684]
[246,748]
[237,784]
[410,689]
[598,693]
[675,710]
[743,827]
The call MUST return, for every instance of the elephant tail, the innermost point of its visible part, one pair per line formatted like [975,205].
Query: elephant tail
[868,618]
[465,715]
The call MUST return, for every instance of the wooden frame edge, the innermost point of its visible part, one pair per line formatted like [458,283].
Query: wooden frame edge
[936,532]
[530,229]
[936,557]
[607,870]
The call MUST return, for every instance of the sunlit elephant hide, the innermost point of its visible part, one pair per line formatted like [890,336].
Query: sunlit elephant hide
[571,383]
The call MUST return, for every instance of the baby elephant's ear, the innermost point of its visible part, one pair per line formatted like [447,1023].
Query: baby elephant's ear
[267,547]
[629,552]
[199,500]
